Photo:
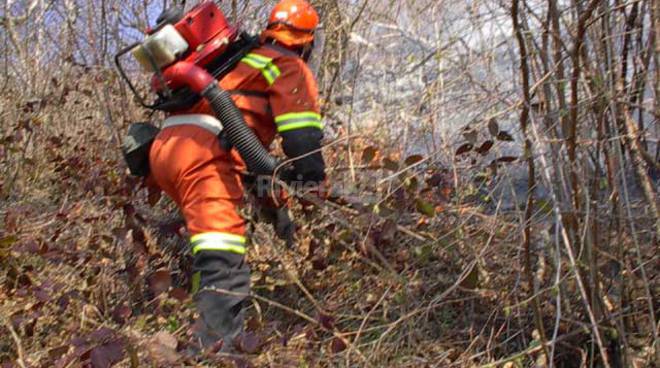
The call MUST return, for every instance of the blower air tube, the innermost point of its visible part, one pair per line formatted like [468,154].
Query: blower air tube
[254,154]
[256,157]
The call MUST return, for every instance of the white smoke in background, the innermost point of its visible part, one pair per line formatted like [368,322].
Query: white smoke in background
[434,64]
[315,58]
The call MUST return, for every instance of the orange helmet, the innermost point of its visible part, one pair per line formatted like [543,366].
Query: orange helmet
[292,22]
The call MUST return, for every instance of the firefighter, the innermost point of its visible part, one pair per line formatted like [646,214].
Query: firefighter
[276,94]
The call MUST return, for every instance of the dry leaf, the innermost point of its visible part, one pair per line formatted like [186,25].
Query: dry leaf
[337,345]
[179,294]
[154,196]
[390,164]
[248,342]
[162,349]
[504,136]
[326,320]
[507,159]
[485,147]
[493,127]
[470,135]
[121,313]
[160,281]
[368,155]
[106,355]
[467,147]
[411,160]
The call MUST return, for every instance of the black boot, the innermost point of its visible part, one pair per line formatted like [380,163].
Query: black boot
[221,313]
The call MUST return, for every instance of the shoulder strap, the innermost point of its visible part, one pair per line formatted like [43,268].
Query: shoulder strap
[234,53]
[280,49]
[248,93]
[219,67]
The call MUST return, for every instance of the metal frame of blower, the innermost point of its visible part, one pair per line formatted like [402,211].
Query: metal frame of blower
[183,96]
[213,44]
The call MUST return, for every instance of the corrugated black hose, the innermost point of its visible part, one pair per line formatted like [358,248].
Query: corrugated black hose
[239,134]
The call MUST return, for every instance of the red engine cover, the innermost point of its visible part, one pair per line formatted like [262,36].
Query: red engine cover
[207,32]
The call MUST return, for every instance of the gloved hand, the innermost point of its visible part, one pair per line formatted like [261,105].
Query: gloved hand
[284,227]
[289,175]
[281,221]
[305,184]
[274,210]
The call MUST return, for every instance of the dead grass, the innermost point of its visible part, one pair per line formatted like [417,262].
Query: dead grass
[371,286]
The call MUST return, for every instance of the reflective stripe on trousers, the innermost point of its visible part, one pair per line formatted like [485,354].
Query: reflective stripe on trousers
[218,241]
[214,242]
[221,284]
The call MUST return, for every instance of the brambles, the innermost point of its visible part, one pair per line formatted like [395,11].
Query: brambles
[441,252]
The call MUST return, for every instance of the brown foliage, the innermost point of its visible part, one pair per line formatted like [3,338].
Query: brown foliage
[416,260]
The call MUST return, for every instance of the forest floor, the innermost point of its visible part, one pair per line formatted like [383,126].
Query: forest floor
[412,271]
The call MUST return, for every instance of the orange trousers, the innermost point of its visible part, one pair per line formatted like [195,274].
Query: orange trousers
[189,165]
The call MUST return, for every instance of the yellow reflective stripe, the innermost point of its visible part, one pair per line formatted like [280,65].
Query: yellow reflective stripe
[269,70]
[218,241]
[260,58]
[238,249]
[298,120]
[218,236]
[300,125]
[297,115]
[252,63]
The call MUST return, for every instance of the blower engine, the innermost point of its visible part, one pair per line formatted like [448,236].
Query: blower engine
[187,54]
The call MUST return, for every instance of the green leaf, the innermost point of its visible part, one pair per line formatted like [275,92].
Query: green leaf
[172,324]
[385,211]
[8,241]
[554,291]
[472,279]
[345,235]
[544,206]
[481,177]
[400,298]
[424,207]
[603,184]
[141,322]
[423,253]
[411,183]
[612,333]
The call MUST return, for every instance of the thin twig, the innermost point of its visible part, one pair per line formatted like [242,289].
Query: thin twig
[298,313]
[466,272]
[19,346]
[364,322]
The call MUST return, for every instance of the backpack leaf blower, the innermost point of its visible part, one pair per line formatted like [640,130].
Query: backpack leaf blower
[187,54]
